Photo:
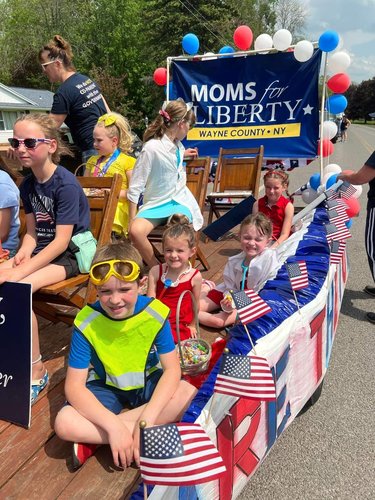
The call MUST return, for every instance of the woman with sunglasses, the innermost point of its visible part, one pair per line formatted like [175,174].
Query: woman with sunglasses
[112,141]
[160,175]
[123,337]
[78,101]
[56,208]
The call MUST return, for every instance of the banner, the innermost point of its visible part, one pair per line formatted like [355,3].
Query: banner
[251,100]
[15,353]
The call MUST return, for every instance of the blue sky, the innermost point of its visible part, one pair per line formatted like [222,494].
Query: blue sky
[354,21]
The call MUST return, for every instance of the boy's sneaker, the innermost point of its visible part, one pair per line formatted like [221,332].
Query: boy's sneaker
[370,290]
[81,452]
[371,317]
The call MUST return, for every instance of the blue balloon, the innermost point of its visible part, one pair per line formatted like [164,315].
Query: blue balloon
[227,49]
[190,44]
[328,40]
[315,181]
[349,223]
[331,180]
[336,104]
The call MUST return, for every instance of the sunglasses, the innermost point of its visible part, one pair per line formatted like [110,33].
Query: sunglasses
[108,120]
[29,143]
[47,63]
[102,271]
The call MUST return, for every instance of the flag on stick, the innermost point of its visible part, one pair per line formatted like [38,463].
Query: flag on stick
[250,306]
[297,272]
[331,194]
[245,377]
[336,232]
[346,190]
[336,216]
[337,249]
[339,205]
[178,454]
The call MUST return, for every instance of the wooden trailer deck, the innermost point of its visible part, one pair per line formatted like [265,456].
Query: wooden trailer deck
[35,463]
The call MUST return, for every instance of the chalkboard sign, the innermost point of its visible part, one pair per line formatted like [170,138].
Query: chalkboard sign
[15,353]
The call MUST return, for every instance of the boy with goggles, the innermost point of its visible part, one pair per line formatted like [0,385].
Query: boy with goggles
[123,336]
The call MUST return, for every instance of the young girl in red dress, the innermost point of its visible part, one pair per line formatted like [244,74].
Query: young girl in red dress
[168,281]
[276,206]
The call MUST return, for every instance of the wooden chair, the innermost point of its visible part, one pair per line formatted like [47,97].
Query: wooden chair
[237,177]
[197,172]
[54,302]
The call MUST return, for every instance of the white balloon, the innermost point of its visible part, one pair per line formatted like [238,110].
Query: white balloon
[329,130]
[338,62]
[303,50]
[208,56]
[282,39]
[321,189]
[309,195]
[358,192]
[263,42]
[333,168]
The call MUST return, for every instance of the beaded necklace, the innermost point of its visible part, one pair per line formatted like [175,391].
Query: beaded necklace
[168,282]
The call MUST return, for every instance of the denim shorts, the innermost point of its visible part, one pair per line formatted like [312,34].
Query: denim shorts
[115,400]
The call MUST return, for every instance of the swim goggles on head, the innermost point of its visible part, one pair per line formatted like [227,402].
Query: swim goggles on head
[108,120]
[102,271]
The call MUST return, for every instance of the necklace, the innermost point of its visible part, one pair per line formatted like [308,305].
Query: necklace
[168,282]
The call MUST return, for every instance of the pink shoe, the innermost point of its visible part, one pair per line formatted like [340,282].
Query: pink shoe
[82,452]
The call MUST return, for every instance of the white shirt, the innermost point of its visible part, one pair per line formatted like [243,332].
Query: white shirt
[261,268]
[157,175]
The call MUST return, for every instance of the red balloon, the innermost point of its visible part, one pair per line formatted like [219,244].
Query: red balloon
[353,207]
[160,76]
[339,83]
[327,147]
[243,37]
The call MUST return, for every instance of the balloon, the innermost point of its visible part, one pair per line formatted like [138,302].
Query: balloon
[208,56]
[329,130]
[243,37]
[327,149]
[321,189]
[336,104]
[353,208]
[339,83]
[190,44]
[332,168]
[339,62]
[160,76]
[332,179]
[227,49]
[309,195]
[263,42]
[349,223]
[358,192]
[303,50]
[315,181]
[328,41]
[282,39]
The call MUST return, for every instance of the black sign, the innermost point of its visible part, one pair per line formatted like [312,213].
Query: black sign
[15,353]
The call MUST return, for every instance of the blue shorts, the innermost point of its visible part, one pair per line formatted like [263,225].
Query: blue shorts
[115,400]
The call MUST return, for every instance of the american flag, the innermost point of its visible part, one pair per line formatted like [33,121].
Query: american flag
[178,454]
[339,205]
[346,190]
[245,377]
[336,216]
[331,194]
[336,232]
[297,272]
[250,306]
[337,249]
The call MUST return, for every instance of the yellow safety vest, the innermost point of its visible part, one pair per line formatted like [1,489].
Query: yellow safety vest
[123,346]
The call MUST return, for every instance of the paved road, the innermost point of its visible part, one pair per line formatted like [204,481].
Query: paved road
[329,452]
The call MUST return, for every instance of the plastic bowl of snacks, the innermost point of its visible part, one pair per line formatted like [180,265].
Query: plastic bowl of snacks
[196,355]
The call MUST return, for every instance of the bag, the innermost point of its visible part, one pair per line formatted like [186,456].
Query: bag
[83,245]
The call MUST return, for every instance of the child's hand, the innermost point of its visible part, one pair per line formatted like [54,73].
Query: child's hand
[20,258]
[193,331]
[121,442]
[227,305]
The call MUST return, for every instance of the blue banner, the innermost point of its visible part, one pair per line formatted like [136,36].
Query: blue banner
[252,100]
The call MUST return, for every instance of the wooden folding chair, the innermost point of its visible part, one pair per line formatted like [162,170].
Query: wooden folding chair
[197,172]
[54,302]
[237,177]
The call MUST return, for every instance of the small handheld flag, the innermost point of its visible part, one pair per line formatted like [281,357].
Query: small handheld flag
[178,454]
[339,205]
[337,217]
[346,190]
[250,306]
[337,249]
[336,232]
[297,272]
[245,377]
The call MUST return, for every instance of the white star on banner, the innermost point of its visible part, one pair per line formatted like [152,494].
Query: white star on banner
[307,110]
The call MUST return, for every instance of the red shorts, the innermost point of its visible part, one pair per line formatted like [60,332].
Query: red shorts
[216,296]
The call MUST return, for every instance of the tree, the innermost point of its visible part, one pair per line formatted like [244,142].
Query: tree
[291,15]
